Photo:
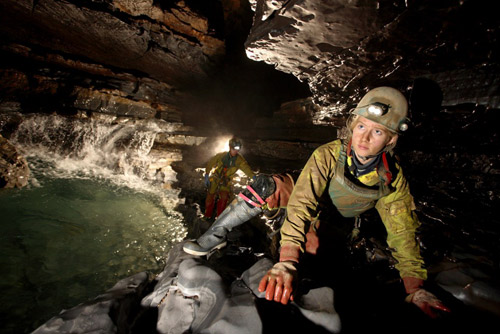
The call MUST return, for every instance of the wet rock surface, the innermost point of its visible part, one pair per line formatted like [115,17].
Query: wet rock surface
[164,42]
[219,293]
[107,313]
[14,170]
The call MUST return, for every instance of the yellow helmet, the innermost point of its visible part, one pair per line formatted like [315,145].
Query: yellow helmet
[386,106]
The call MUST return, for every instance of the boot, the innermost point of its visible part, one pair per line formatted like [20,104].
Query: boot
[214,238]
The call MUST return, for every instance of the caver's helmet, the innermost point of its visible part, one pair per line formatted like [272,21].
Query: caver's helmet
[235,143]
[386,106]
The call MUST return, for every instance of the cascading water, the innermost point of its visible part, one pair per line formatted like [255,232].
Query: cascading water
[94,212]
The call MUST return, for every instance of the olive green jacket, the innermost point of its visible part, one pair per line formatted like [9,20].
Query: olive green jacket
[221,176]
[395,209]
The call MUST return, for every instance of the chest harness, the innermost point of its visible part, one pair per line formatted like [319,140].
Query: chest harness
[226,162]
[350,198]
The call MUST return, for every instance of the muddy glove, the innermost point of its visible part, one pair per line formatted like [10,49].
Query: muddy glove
[423,299]
[207,181]
[278,282]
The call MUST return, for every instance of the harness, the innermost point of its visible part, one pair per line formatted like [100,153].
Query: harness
[352,199]
[385,170]
[273,200]
[220,174]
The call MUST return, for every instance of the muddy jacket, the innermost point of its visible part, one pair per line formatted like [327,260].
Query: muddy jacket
[284,186]
[222,168]
[394,203]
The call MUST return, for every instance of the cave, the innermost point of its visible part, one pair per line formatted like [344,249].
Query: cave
[138,95]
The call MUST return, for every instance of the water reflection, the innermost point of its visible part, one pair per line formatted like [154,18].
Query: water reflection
[68,240]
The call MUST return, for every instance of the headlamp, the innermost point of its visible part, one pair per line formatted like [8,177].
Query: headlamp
[377,109]
[237,147]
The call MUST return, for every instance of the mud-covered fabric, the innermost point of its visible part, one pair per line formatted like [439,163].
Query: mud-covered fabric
[192,297]
[222,168]
[284,187]
[352,199]
[395,209]
[401,222]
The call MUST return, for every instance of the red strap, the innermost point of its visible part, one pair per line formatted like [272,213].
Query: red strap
[256,195]
[349,148]
[388,173]
[249,200]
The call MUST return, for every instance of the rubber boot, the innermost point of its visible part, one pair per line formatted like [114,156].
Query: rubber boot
[237,213]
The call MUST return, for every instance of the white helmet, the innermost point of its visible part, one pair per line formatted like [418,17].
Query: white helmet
[386,106]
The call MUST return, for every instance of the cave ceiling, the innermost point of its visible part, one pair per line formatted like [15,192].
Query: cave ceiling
[133,35]
[245,58]
[343,48]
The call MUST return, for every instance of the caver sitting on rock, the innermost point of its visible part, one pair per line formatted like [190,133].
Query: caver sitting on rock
[267,195]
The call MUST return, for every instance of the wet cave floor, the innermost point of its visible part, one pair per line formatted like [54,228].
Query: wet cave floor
[368,293]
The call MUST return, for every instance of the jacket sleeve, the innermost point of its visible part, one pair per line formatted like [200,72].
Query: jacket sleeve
[244,166]
[303,203]
[212,162]
[401,222]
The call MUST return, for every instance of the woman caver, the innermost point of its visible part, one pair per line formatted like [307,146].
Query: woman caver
[358,174]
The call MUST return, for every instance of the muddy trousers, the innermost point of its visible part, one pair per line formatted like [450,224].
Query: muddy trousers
[223,198]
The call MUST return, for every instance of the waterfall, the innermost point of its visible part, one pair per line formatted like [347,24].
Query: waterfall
[104,148]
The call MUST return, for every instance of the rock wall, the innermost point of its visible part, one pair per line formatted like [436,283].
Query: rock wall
[14,170]
[168,42]
[343,48]
[177,61]
[122,58]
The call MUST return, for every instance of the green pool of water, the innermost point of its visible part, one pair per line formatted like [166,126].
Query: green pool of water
[65,240]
